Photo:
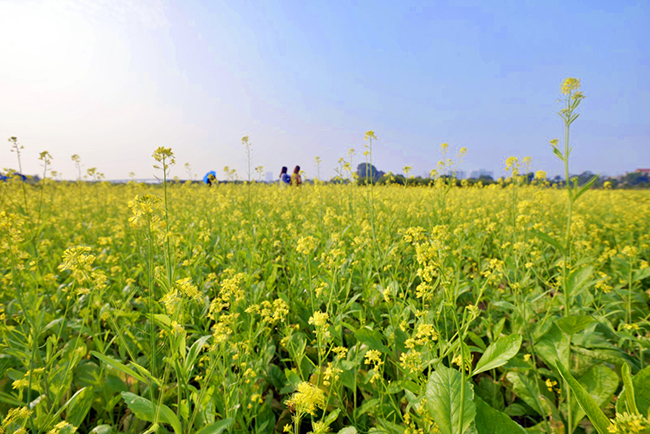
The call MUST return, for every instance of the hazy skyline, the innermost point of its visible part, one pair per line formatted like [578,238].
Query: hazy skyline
[111,80]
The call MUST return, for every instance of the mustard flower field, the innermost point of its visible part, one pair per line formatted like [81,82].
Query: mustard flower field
[518,307]
[251,308]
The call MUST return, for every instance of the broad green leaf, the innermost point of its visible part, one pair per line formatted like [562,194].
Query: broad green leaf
[102,429]
[578,279]
[292,378]
[553,346]
[614,357]
[640,274]
[265,419]
[116,384]
[275,376]
[476,340]
[217,427]
[490,392]
[528,390]
[600,382]
[119,366]
[331,417]
[641,385]
[491,421]
[586,402]
[163,319]
[498,353]
[371,338]
[548,240]
[79,406]
[367,406]
[574,323]
[146,411]
[348,430]
[452,412]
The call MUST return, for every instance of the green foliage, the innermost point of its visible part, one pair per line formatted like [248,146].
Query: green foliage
[450,401]
[246,309]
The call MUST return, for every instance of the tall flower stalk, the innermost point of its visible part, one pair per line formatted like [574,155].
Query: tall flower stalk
[166,158]
[245,141]
[15,147]
[572,97]
[46,158]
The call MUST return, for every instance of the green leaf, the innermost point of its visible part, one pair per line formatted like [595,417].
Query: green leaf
[102,429]
[8,399]
[292,378]
[614,357]
[585,187]
[528,390]
[558,153]
[640,274]
[70,401]
[449,410]
[217,427]
[641,384]
[491,421]
[548,240]
[586,402]
[498,353]
[119,366]
[144,371]
[578,279]
[79,406]
[368,406]
[553,346]
[628,391]
[194,352]
[146,411]
[600,382]
[115,384]
[574,323]
[348,430]
[162,319]
[371,338]
[490,392]
[275,376]
[331,417]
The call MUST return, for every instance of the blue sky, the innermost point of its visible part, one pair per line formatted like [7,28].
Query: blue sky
[113,80]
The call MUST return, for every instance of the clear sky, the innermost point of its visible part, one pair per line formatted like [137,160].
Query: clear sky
[111,80]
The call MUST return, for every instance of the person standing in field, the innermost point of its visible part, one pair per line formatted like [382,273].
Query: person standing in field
[285,179]
[210,178]
[295,177]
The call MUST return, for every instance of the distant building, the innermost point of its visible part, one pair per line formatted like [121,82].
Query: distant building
[475,174]
[643,171]
[460,174]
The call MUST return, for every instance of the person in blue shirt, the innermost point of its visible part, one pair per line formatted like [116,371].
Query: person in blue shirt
[285,179]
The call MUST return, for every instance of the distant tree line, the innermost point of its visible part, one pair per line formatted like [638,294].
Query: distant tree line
[367,173]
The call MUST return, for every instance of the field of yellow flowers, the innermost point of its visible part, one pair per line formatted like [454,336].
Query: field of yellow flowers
[251,308]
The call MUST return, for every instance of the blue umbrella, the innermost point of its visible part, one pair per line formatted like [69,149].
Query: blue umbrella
[207,176]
